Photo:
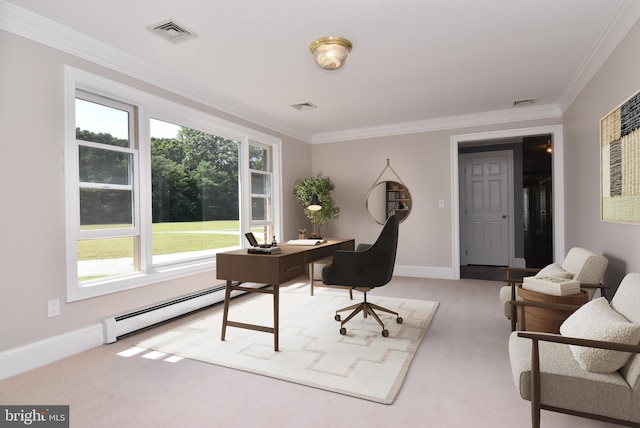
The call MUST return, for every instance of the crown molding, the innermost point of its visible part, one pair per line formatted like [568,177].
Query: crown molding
[50,33]
[516,114]
[625,17]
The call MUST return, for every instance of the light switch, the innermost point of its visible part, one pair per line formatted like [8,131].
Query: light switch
[441,203]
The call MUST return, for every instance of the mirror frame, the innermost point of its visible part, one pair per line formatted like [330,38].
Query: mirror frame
[408,199]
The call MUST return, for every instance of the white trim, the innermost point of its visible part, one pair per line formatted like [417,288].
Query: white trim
[550,111]
[150,106]
[624,18]
[424,272]
[32,355]
[558,184]
[49,33]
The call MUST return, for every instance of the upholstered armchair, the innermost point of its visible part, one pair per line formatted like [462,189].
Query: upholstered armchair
[580,264]
[592,368]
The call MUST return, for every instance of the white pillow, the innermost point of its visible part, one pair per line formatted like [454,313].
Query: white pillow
[596,320]
[554,270]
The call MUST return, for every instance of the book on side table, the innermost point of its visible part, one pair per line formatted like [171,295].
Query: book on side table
[551,285]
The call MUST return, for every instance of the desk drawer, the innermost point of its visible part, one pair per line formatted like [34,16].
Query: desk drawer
[291,266]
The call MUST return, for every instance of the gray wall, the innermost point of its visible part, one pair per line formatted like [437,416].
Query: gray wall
[616,81]
[32,218]
[32,268]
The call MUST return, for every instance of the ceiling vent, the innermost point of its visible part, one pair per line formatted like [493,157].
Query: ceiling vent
[524,102]
[304,106]
[171,31]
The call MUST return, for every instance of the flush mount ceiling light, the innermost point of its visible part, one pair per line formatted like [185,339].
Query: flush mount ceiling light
[330,53]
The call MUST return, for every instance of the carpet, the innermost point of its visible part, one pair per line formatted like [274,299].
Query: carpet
[361,364]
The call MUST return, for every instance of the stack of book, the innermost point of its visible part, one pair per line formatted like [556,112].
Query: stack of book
[551,285]
[264,250]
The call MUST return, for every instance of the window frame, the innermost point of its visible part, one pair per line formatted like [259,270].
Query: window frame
[149,106]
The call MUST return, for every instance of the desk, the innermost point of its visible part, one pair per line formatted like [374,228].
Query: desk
[548,320]
[270,269]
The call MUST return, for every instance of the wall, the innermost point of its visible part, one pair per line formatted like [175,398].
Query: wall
[32,218]
[423,162]
[616,81]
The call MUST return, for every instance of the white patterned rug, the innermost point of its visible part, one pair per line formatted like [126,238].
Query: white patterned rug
[312,352]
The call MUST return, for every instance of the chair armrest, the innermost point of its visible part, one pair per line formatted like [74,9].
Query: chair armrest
[595,286]
[568,340]
[535,383]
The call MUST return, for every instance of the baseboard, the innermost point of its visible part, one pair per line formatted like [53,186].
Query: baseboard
[24,358]
[424,272]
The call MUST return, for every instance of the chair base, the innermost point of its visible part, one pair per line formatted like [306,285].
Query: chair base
[367,309]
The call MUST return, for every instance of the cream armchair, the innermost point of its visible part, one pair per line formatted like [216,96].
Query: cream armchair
[578,372]
[579,264]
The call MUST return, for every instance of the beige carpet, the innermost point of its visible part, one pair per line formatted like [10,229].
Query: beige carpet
[312,352]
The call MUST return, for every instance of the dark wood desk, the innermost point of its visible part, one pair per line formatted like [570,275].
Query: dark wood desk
[238,266]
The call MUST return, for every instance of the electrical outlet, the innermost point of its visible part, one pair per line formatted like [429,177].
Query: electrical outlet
[53,308]
[441,203]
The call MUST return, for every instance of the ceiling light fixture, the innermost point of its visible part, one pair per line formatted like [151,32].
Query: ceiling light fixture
[331,53]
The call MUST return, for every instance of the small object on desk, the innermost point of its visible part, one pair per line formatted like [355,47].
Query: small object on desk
[302,233]
[274,243]
[306,241]
[551,285]
[264,250]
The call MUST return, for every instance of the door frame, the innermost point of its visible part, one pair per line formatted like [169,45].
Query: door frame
[558,183]
[510,234]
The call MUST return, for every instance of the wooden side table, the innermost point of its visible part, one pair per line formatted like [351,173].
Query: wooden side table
[548,320]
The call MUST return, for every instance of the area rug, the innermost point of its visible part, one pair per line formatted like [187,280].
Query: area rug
[361,364]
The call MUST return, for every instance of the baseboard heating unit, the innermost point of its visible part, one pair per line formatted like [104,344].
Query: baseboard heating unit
[124,324]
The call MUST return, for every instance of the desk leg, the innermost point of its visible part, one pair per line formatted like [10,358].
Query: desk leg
[225,314]
[276,315]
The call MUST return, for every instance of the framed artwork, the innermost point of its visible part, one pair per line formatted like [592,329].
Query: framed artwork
[620,163]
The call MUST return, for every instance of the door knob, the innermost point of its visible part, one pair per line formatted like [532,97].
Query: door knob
[504,216]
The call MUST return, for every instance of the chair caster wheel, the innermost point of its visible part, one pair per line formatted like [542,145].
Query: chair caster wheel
[385,333]
[399,320]
[343,331]
[337,317]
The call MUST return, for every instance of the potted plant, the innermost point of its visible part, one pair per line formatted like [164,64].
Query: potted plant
[321,186]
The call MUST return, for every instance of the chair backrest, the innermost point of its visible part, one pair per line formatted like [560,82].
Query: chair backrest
[372,267]
[585,266]
[383,251]
[626,302]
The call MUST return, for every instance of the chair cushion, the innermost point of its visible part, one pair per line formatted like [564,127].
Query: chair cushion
[554,270]
[564,384]
[596,320]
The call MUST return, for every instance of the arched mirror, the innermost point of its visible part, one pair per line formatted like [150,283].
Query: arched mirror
[386,198]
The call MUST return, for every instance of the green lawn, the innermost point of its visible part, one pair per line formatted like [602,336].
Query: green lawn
[168,238]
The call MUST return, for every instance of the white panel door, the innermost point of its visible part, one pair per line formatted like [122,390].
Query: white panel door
[487,219]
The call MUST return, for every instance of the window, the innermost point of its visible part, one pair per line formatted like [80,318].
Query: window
[155,189]
[261,199]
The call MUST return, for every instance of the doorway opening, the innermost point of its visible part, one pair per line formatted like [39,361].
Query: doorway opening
[531,195]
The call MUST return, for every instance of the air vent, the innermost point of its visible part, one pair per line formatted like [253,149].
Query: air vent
[171,31]
[524,102]
[304,106]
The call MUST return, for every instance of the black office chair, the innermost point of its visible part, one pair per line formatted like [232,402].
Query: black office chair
[365,269]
